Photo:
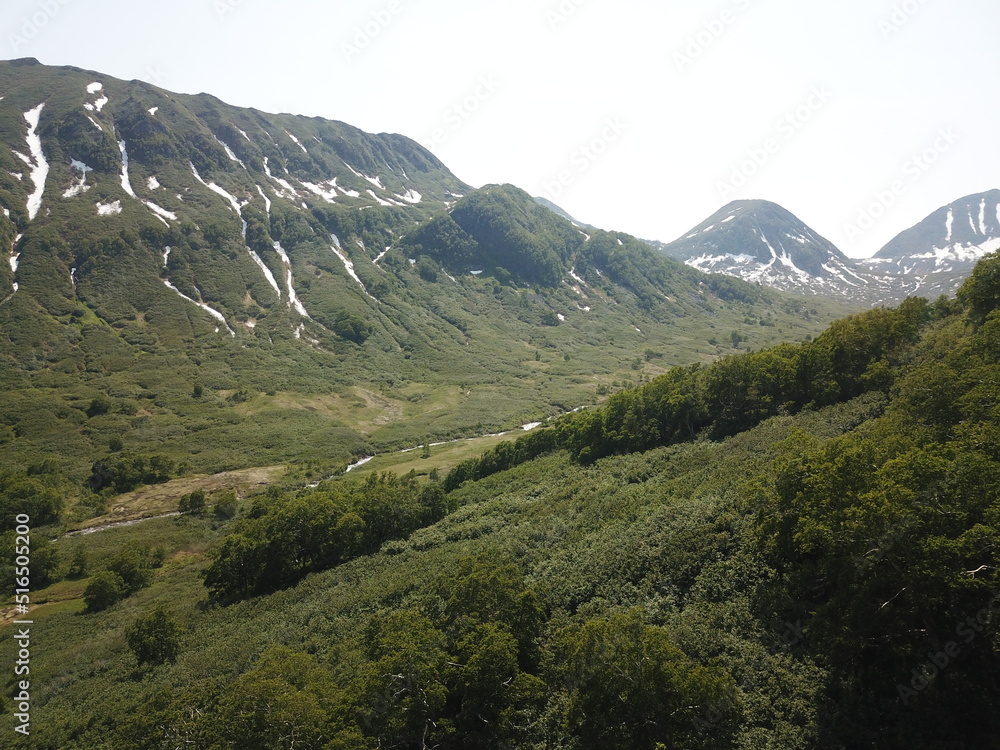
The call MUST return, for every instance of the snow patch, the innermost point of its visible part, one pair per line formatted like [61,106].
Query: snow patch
[561,317]
[267,271]
[96,124]
[280,181]
[153,110]
[530,426]
[383,202]
[949,224]
[229,152]
[211,311]
[267,201]
[293,299]
[381,255]
[410,196]
[94,87]
[159,211]
[348,264]
[297,143]
[81,186]
[126,183]
[152,183]
[328,195]
[982,217]
[109,209]
[728,219]
[218,190]
[39,166]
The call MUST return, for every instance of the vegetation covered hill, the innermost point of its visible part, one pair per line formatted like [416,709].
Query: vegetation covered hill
[795,547]
[194,287]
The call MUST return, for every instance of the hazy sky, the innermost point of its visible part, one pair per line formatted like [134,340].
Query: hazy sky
[859,116]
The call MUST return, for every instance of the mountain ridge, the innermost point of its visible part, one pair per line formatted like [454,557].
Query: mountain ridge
[951,238]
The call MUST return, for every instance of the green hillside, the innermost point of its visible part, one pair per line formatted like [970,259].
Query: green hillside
[673,569]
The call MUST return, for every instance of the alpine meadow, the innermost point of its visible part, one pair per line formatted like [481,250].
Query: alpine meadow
[308,444]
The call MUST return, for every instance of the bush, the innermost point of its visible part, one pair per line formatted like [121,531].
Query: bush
[193,503]
[104,590]
[154,639]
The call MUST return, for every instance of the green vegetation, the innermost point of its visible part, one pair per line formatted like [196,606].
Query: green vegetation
[747,544]
[285,538]
[816,572]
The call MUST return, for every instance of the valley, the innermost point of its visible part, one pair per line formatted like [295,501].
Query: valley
[322,448]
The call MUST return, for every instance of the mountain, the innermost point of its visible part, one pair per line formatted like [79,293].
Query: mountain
[950,240]
[760,241]
[232,288]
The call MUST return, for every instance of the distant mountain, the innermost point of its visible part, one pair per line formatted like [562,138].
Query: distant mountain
[760,241]
[560,211]
[950,240]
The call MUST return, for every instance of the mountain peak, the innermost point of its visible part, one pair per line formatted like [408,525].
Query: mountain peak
[951,239]
[760,241]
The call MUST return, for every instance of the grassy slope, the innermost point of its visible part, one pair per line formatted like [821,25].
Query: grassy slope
[590,540]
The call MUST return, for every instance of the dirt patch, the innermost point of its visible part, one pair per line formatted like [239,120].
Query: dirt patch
[163,498]
[388,412]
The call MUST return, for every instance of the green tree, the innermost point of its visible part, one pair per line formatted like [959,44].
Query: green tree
[132,564]
[400,693]
[630,686]
[104,590]
[980,294]
[155,638]
[193,503]
[226,506]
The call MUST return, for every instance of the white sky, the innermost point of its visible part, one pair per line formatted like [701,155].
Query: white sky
[834,99]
